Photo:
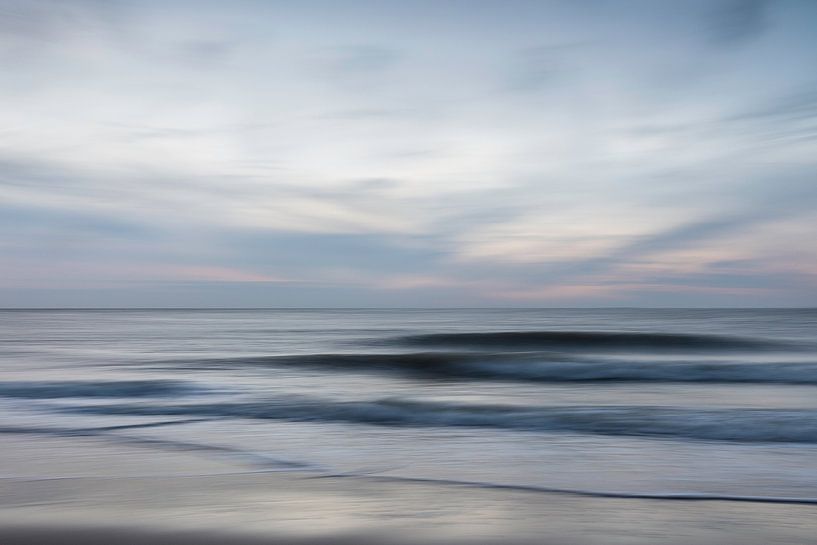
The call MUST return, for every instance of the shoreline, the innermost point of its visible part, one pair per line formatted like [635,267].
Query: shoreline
[100,493]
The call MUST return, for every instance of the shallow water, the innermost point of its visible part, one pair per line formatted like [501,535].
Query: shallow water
[630,401]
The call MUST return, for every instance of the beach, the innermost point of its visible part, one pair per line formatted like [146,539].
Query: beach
[125,495]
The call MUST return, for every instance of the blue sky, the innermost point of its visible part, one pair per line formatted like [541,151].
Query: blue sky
[414,153]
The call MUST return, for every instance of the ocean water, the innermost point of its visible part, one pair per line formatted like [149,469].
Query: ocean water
[631,402]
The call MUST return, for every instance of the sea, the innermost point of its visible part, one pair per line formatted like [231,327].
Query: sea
[645,403]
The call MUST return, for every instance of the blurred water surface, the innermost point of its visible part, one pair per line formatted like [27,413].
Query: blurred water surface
[670,401]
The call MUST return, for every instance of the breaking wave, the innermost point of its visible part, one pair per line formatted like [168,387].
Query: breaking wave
[539,367]
[590,340]
[749,425]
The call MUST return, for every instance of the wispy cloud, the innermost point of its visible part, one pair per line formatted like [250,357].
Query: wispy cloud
[311,153]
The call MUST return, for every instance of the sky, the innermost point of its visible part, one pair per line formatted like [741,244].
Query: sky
[441,153]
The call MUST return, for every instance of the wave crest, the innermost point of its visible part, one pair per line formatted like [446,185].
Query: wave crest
[750,425]
[590,340]
[539,367]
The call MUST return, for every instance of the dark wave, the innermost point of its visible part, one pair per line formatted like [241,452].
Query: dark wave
[430,364]
[629,371]
[750,425]
[537,367]
[84,388]
[421,362]
[590,340]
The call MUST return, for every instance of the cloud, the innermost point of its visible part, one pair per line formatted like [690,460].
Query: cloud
[510,152]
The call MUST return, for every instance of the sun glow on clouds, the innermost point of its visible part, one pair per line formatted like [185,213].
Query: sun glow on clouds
[519,153]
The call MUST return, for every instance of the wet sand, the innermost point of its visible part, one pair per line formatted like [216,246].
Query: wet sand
[89,491]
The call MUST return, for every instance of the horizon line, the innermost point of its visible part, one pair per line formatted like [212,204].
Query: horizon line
[4,309]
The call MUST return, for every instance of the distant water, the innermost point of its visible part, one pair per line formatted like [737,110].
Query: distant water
[630,401]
